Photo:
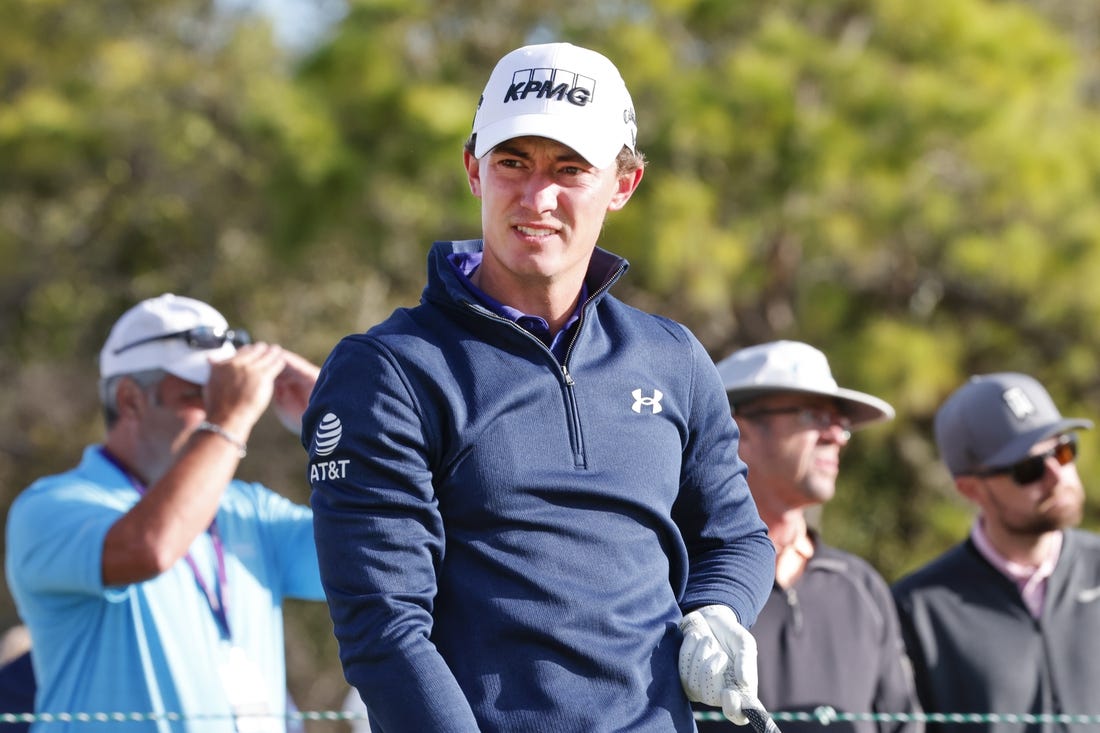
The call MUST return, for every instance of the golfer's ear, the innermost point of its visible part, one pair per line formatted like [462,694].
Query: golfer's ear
[745,429]
[130,398]
[970,487]
[628,184]
[473,172]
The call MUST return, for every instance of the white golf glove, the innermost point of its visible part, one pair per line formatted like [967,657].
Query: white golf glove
[718,660]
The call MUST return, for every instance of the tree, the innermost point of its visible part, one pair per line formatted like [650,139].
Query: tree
[910,187]
[892,182]
[139,144]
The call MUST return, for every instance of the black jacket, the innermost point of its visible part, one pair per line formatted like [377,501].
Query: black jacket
[832,639]
[976,648]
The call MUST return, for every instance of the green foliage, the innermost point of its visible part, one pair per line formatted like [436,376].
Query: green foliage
[911,187]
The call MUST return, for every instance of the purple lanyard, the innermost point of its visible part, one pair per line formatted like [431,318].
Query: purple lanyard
[215,598]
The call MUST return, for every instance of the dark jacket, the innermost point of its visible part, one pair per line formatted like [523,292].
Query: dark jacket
[832,640]
[976,648]
[508,542]
[17,688]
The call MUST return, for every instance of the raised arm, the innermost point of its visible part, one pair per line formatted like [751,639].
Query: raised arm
[184,442]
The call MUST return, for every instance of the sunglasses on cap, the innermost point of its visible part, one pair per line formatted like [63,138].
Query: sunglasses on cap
[200,337]
[1032,468]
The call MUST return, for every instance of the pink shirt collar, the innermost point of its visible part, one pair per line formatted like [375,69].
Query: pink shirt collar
[1030,580]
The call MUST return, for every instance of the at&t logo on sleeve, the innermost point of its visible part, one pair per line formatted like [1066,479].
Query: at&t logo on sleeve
[325,439]
[327,435]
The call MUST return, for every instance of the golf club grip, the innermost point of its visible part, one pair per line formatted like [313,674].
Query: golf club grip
[759,718]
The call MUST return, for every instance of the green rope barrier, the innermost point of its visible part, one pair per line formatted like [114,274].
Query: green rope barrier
[824,715]
[326,715]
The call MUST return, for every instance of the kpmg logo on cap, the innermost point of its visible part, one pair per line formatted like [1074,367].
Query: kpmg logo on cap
[558,84]
[1019,403]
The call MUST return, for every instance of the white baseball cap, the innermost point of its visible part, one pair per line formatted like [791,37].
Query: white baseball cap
[793,366]
[559,91]
[177,334]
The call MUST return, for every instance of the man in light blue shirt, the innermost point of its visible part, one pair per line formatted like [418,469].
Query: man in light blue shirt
[151,580]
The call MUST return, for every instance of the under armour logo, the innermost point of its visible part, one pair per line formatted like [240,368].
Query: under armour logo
[654,401]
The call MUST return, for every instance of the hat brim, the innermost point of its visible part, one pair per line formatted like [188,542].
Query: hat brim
[1020,447]
[861,408]
[575,133]
[195,370]
[175,358]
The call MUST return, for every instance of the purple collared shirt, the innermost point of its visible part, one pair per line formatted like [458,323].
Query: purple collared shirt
[466,263]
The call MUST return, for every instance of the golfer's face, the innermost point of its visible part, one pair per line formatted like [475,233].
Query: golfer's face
[792,445]
[543,207]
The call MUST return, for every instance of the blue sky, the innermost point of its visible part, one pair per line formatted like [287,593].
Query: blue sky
[298,24]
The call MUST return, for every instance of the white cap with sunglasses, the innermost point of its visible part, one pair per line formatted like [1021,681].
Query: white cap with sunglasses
[793,366]
[174,333]
[994,420]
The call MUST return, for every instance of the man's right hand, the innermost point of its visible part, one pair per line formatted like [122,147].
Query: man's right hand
[240,387]
[718,661]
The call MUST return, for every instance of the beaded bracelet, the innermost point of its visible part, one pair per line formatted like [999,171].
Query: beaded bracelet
[242,449]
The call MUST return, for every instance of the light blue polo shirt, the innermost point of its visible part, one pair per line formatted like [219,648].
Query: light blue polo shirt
[153,647]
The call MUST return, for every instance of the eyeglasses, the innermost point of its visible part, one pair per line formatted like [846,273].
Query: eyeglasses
[200,337]
[1032,468]
[811,417]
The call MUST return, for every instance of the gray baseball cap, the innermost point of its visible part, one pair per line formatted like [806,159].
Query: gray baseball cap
[994,420]
[793,366]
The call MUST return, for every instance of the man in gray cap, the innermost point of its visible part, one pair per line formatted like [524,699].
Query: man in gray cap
[828,634]
[1006,621]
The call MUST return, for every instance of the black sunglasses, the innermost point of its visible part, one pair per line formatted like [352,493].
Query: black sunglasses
[200,337]
[1032,468]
